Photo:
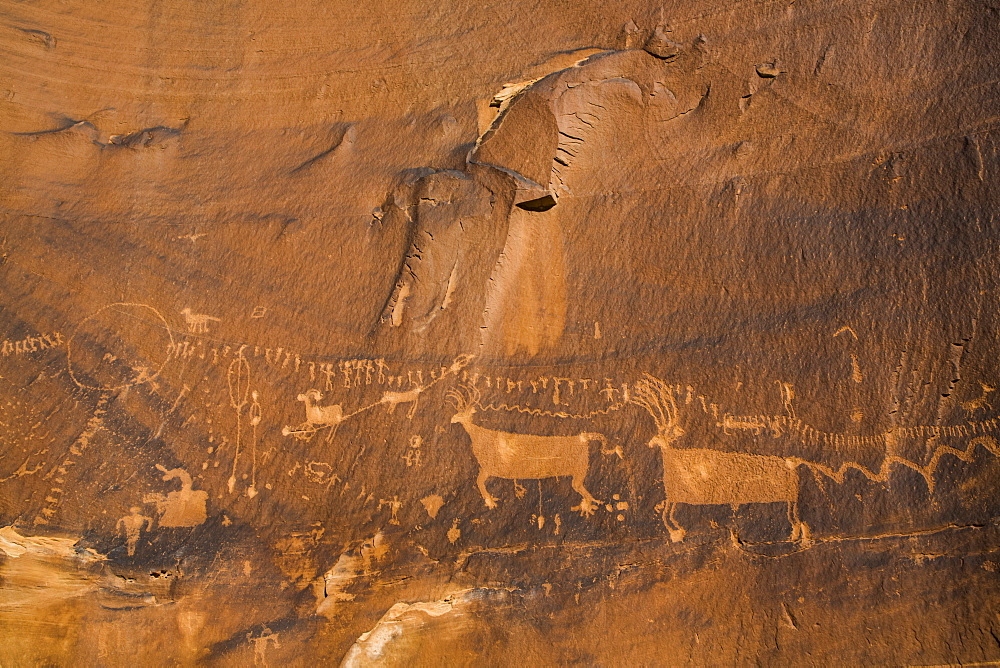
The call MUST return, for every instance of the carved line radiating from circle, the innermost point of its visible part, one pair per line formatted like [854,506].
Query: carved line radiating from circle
[69,348]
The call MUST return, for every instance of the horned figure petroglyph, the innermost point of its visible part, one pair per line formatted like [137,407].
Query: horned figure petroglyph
[502,454]
[973,406]
[320,415]
[699,476]
[316,416]
[197,323]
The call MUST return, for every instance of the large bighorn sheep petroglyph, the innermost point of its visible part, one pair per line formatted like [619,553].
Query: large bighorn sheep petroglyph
[525,456]
[699,476]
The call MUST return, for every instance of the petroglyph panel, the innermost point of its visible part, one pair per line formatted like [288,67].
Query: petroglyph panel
[618,334]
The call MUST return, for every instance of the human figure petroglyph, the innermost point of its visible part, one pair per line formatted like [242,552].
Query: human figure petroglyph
[526,456]
[183,508]
[131,526]
[197,323]
[260,641]
[556,387]
[699,476]
[413,455]
[394,505]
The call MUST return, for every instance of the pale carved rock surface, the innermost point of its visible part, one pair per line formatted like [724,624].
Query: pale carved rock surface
[434,334]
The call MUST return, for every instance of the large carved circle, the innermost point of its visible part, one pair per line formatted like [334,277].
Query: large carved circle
[122,345]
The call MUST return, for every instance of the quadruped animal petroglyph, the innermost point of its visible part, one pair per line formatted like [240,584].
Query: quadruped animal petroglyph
[393,399]
[331,416]
[316,415]
[197,323]
[699,476]
[503,454]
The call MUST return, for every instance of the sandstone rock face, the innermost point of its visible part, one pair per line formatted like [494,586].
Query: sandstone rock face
[427,334]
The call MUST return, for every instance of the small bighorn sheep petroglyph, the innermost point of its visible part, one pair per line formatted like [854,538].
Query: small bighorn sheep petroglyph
[316,415]
[972,406]
[502,454]
[197,323]
[320,415]
[699,476]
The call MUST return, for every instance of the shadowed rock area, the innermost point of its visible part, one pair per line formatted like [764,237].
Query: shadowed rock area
[400,334]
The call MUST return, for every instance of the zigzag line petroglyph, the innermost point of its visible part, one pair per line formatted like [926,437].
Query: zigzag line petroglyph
[559,414]
[776,425]
[783,424]
[926,471]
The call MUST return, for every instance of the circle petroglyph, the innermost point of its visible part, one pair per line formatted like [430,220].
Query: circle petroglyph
[122,345]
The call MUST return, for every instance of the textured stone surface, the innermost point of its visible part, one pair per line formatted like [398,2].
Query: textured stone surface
[416,333]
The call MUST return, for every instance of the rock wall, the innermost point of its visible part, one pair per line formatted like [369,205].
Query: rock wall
[618,334]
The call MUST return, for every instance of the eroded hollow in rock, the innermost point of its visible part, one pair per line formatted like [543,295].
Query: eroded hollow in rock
[538,204]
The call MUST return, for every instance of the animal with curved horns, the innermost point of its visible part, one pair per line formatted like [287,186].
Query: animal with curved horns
[700,476]
[502,454]
[316,416]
